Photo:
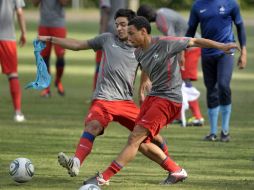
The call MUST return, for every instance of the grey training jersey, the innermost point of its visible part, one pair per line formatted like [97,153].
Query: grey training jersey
[170,22]
[52,13]
[7,10]
[117,68]
[114,5]
[160,62]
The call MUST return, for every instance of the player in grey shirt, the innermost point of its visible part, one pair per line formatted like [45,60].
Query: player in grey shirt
[108,8]
[8,48]
[171,23]
[158,58]
[112,99]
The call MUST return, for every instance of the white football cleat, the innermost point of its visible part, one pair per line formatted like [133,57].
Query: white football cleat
[19,117]
[72,164]
[175,177]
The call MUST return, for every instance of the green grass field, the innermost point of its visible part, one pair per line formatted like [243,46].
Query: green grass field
[55,125]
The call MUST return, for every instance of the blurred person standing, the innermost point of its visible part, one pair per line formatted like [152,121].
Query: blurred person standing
[108,9]
[171,23]
[52,22]
[216,19]
[8,48]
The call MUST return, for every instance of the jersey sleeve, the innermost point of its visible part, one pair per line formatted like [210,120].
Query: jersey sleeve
[105,3]
[235,14]
[97,42]
[163,26]
[175,45]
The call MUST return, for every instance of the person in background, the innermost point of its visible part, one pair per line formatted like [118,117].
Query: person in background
[171,23]
[52,22]
[8,49]
[108,8]
[216,18]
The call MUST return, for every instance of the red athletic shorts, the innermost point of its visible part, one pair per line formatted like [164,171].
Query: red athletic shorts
[190,71]
[56,32]
[8,57]
[155,113]
[124,112]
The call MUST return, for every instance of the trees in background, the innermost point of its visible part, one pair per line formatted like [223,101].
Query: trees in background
[174,4]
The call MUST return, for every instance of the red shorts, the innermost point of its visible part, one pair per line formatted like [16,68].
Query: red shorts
[155,113]
[190,71]
[124,112]
[56,32]
[8,57]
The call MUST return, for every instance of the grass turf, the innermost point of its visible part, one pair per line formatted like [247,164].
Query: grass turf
[55,125]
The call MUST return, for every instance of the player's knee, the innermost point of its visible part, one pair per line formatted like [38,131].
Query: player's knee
[94,128]
[12,75]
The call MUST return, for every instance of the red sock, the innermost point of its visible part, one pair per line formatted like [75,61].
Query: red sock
[15,92]
[170,165]
[194,106]
[84,147]
[111,170]
[164,148]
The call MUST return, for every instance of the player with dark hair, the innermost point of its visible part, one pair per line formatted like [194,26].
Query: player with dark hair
[8,49]
[171,23]
[108,8]
[112,97]
[216,18]
[158,58]
[52,23]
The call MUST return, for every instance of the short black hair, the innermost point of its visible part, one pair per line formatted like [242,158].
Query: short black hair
[128,13]
[148,12]
[140,22]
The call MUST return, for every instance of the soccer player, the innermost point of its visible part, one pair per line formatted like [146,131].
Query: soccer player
[171,23]
[8,49]
[216,18]
[52,23]
[158,58]
[108,9]
[112,98]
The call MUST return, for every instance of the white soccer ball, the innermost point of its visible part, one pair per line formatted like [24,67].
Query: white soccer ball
[21,170]
[89,187]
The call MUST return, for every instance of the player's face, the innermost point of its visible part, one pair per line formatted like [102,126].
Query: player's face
[121,27]
[135,36]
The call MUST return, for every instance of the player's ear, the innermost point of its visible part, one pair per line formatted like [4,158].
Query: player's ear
[143,31]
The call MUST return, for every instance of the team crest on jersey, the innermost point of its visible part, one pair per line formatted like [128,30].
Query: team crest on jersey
[156,56]
[222,10]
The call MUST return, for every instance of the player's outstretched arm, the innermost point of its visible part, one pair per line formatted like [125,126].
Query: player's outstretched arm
[206,43]
[66,43]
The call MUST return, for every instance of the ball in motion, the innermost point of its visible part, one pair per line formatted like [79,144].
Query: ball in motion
[21,170]
[89,187]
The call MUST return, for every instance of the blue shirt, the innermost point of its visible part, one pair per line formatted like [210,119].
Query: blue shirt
[216,19]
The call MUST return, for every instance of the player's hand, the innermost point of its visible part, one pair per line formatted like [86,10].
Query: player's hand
[227,48]
[44,38]
[242,61]
[22,40]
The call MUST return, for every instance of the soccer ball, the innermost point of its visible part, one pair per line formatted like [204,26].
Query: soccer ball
[89,187]
[21,170]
